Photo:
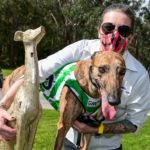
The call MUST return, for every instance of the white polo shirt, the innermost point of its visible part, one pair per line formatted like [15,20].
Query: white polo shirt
[135,99]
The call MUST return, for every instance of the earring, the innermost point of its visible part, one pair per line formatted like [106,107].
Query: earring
[99,35]
[130,39]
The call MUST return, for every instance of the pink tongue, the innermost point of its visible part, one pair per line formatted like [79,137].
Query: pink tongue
[109,111]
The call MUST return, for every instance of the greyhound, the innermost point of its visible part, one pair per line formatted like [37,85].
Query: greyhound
[100,77]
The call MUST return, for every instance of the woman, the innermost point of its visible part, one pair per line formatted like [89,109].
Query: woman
[115,32]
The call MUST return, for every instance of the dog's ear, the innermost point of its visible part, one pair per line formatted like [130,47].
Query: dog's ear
[82,72]
[98,52]
[93,55]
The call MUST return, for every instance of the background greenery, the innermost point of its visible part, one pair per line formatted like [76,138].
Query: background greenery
[66,21]
[46,134]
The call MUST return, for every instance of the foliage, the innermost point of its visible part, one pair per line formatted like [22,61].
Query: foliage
[142,34]
[66,21]
[6,72]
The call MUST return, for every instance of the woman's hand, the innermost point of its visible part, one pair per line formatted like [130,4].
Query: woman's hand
[6,133]
[84,128]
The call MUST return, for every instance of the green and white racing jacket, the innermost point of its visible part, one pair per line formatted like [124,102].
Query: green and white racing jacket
[51,89]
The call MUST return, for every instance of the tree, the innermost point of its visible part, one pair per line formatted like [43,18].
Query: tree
[66,21]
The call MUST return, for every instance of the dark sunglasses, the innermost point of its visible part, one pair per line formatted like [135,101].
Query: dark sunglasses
[123,30]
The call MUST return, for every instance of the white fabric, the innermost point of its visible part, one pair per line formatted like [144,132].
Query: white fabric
[135,100]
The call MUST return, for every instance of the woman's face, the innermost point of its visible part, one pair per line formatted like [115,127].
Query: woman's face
[115,28]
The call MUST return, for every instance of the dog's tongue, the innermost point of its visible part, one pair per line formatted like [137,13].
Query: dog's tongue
[109,111]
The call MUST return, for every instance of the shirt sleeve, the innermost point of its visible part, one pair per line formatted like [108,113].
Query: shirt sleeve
[139,101]
[67,55]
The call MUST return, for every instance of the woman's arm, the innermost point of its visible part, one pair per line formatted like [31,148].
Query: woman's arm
[9,96]
[120,127]
[69,54]
[7,133]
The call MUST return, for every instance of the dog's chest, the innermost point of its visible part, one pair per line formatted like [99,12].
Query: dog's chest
[52,87]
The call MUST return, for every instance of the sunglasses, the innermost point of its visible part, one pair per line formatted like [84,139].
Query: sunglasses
[123,30]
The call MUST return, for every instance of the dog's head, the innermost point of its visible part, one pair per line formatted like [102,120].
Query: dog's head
[106,73]
[101,76]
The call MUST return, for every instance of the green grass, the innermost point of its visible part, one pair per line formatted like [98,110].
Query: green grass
[46,134]
[140,140]
[6,72]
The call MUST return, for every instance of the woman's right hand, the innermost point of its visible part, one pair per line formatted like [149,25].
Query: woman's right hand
[7,134]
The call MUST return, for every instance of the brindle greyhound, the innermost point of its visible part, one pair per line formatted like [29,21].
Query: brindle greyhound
[100,77]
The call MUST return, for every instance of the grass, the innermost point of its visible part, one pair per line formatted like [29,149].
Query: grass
[140,140]
[46,134]
[6,72]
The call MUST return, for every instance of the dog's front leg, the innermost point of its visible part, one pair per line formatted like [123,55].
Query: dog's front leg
[70,109]
[85,140]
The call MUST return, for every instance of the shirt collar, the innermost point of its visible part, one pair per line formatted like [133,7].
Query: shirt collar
[129,61]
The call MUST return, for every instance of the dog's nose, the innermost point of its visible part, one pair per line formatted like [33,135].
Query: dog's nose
[113,101]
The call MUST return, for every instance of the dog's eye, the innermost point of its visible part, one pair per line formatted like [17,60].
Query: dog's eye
[121,71]
[102,69]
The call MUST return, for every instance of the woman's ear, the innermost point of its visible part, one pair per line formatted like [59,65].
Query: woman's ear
[99,35]
[130,39]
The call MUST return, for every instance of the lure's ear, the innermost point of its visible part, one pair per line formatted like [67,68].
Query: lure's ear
[18,36]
